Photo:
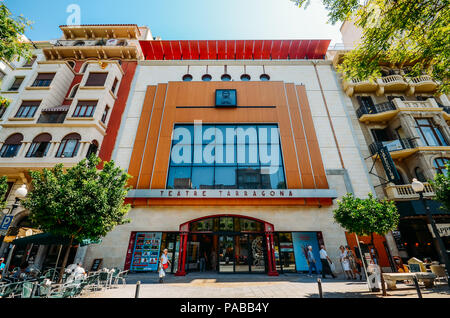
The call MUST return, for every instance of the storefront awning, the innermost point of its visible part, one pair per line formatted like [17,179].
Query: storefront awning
[57,109]
[50,239]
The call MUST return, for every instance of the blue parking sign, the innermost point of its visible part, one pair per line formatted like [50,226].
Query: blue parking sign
[6,222]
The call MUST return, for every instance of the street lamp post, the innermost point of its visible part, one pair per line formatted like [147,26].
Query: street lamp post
[418,187]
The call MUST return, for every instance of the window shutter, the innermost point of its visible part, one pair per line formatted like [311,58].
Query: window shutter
[87,103]
[15,139]
[31,103]
[42,138]
[45,76]
[72,136]
[96,79]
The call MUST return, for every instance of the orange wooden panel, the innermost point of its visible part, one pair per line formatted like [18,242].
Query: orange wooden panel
[152,138]
[316,157]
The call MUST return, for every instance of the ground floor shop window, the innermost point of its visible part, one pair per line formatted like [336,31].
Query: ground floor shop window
[301,241]
[284,252]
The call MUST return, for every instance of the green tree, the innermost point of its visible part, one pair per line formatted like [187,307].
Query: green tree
[364,217]
[441,186]
[79,203]
[395,32]
[3,190]
[12,29]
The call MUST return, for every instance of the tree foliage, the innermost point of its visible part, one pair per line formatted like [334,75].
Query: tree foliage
[441,186]
[396,32]
[366,216]
[82,202]
[3,190]
[12,29]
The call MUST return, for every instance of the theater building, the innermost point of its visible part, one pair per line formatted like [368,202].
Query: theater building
[238,151]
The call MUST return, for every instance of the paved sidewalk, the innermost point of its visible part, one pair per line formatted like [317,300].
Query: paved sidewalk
[213,285]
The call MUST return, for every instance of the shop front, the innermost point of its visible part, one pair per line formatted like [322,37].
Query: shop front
[224,244]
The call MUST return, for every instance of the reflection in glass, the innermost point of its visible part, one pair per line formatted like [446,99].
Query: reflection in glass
[226,254]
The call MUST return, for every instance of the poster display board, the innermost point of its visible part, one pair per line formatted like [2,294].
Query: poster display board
[301,242]
[146,251]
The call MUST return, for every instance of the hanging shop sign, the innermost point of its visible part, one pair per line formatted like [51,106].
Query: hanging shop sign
[443,229]
[388,164]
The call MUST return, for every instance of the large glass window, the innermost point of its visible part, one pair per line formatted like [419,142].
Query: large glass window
[440,165]
[69,146]
[11,146]
[429,133]
[226,157]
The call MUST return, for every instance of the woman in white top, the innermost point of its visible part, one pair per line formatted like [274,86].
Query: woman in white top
[345,263]
[164,264]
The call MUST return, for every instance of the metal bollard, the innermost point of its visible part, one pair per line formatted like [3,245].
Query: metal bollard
[319,282]
[416,283]
[138,288]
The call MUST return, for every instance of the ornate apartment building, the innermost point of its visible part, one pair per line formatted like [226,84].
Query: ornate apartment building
[406,128]
[66,103]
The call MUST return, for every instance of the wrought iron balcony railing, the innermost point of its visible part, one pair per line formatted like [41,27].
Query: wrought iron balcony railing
[376,109]
[393,145]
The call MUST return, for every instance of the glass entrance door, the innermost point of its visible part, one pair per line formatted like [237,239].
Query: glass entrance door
[242,253]
[226,254]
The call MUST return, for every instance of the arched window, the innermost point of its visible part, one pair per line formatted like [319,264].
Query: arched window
[69,146]
[439,165]
[420,175]
[40,146]
[74,91]
[11,146]
[93,147]
[245,77]
[187,78]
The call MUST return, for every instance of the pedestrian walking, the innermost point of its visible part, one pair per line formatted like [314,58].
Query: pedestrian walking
[311,261]
[2,266]
[164,264]
[352,261]
[324,259]
[345,263]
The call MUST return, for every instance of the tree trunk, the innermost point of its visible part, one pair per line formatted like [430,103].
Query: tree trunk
[383,288]
[64,263]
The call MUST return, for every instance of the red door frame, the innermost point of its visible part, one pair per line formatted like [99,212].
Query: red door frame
[268,233]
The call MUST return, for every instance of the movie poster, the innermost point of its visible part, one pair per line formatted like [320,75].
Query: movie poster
[146,251]
[301,242]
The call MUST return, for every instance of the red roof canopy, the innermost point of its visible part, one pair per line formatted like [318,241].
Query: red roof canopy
[234,49]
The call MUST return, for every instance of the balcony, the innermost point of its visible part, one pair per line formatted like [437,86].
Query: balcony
[406,193]
[399,148]
[378,112]
[422,84]
[391,83]
[357,86]
[92,48]
[53,115]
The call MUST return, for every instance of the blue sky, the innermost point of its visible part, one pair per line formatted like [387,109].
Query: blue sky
[184,20]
